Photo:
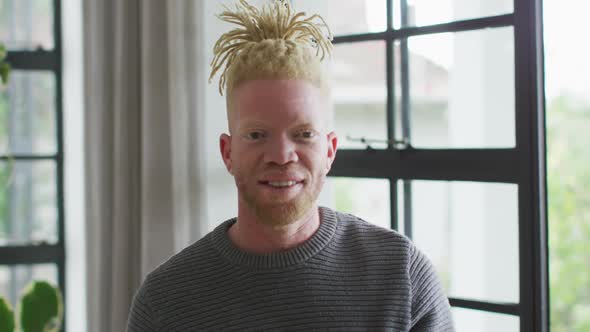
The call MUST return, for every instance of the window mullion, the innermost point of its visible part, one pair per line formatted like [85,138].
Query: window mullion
[61,265]
[501,308]
[33,60]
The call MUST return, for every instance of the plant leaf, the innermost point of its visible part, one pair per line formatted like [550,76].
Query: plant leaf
[2,52]
[40,305]
[6,316]
[4,72]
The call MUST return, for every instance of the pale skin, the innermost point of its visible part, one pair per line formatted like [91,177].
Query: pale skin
[279,151]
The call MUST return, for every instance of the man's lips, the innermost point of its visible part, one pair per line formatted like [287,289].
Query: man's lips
[281,178]
[281,183]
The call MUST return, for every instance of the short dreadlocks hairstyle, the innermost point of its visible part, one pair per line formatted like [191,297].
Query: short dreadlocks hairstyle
[271,43]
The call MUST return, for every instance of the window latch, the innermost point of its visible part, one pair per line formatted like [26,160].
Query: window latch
[398,144]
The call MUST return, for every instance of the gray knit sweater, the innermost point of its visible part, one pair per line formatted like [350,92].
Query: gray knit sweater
[350,275]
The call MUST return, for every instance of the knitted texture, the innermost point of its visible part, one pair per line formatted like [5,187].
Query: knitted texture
[350,275]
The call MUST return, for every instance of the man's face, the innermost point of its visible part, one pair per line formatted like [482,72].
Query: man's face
[279,151]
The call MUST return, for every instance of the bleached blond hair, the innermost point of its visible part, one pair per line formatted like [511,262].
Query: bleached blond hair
[271,43]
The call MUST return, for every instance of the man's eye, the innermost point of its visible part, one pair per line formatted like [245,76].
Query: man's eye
[255,135]
[306,134]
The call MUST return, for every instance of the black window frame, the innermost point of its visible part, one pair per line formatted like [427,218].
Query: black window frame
[523,165]
[30,254]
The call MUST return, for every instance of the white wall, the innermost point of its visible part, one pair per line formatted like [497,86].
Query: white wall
[74,159]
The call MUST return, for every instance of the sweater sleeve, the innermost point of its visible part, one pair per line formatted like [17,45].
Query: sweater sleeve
[430,307]
[141,316]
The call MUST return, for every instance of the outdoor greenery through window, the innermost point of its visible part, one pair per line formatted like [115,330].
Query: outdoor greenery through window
[567,76]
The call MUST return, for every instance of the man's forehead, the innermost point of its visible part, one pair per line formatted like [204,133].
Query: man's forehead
[279,123]
[278,101]
[278,120]
[287,95]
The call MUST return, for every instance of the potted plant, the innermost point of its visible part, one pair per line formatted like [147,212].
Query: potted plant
[40,309]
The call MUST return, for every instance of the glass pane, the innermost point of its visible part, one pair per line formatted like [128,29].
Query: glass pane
[567,96]
[470,232]
[14,279]
[481,321]
[427,12]
[26,24]
[27,113]
[28,202]
[357,16]
[462,89]
[359,93]
[365,198]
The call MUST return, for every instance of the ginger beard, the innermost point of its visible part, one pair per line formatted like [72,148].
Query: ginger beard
[279,211]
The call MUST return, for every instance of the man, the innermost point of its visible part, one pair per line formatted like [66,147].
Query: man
[284,263]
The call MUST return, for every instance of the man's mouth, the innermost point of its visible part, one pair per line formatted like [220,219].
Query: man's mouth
[281,184]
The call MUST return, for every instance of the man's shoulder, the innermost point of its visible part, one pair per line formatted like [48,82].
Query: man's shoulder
[193,259]
[360,232]
[357,225]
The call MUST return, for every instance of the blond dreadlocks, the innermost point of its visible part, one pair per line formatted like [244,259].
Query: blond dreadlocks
[272,43]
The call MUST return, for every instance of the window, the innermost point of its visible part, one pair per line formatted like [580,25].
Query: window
[568,119]
[31,148]
[447,96]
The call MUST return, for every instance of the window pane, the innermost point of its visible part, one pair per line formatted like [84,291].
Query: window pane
[14,278]
[469,230]
[28,201]
[26,24]
[365,198]
[481,321]
[462,89]
[567,92]
[359,93]
[27,113]
[427,12]
[357,16]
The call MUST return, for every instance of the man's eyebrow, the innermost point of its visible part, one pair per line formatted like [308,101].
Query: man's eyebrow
[304,126]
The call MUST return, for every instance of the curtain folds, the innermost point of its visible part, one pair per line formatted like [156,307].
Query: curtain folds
[143,157]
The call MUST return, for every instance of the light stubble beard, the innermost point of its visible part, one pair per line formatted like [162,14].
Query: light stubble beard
[279,215]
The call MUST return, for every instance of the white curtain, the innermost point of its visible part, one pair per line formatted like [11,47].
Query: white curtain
[143,145]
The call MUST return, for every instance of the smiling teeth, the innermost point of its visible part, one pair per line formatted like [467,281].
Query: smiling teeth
[281,184]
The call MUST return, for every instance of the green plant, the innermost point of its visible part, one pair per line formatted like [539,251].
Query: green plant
[6,316]
[4,76]
[40,310]
[4,66]
[568,118]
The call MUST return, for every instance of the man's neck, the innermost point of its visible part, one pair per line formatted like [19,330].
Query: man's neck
[252,236]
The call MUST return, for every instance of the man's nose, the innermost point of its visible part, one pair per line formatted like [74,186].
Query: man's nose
[281,151]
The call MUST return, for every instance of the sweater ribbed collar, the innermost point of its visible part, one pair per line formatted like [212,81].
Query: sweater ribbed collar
[221,241]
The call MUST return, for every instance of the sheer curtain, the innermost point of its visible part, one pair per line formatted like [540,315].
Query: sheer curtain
[144,84]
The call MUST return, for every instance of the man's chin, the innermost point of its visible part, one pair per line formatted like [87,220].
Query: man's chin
[282,215]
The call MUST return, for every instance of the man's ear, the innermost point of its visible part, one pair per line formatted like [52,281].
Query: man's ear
[225,149]
[332,147]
